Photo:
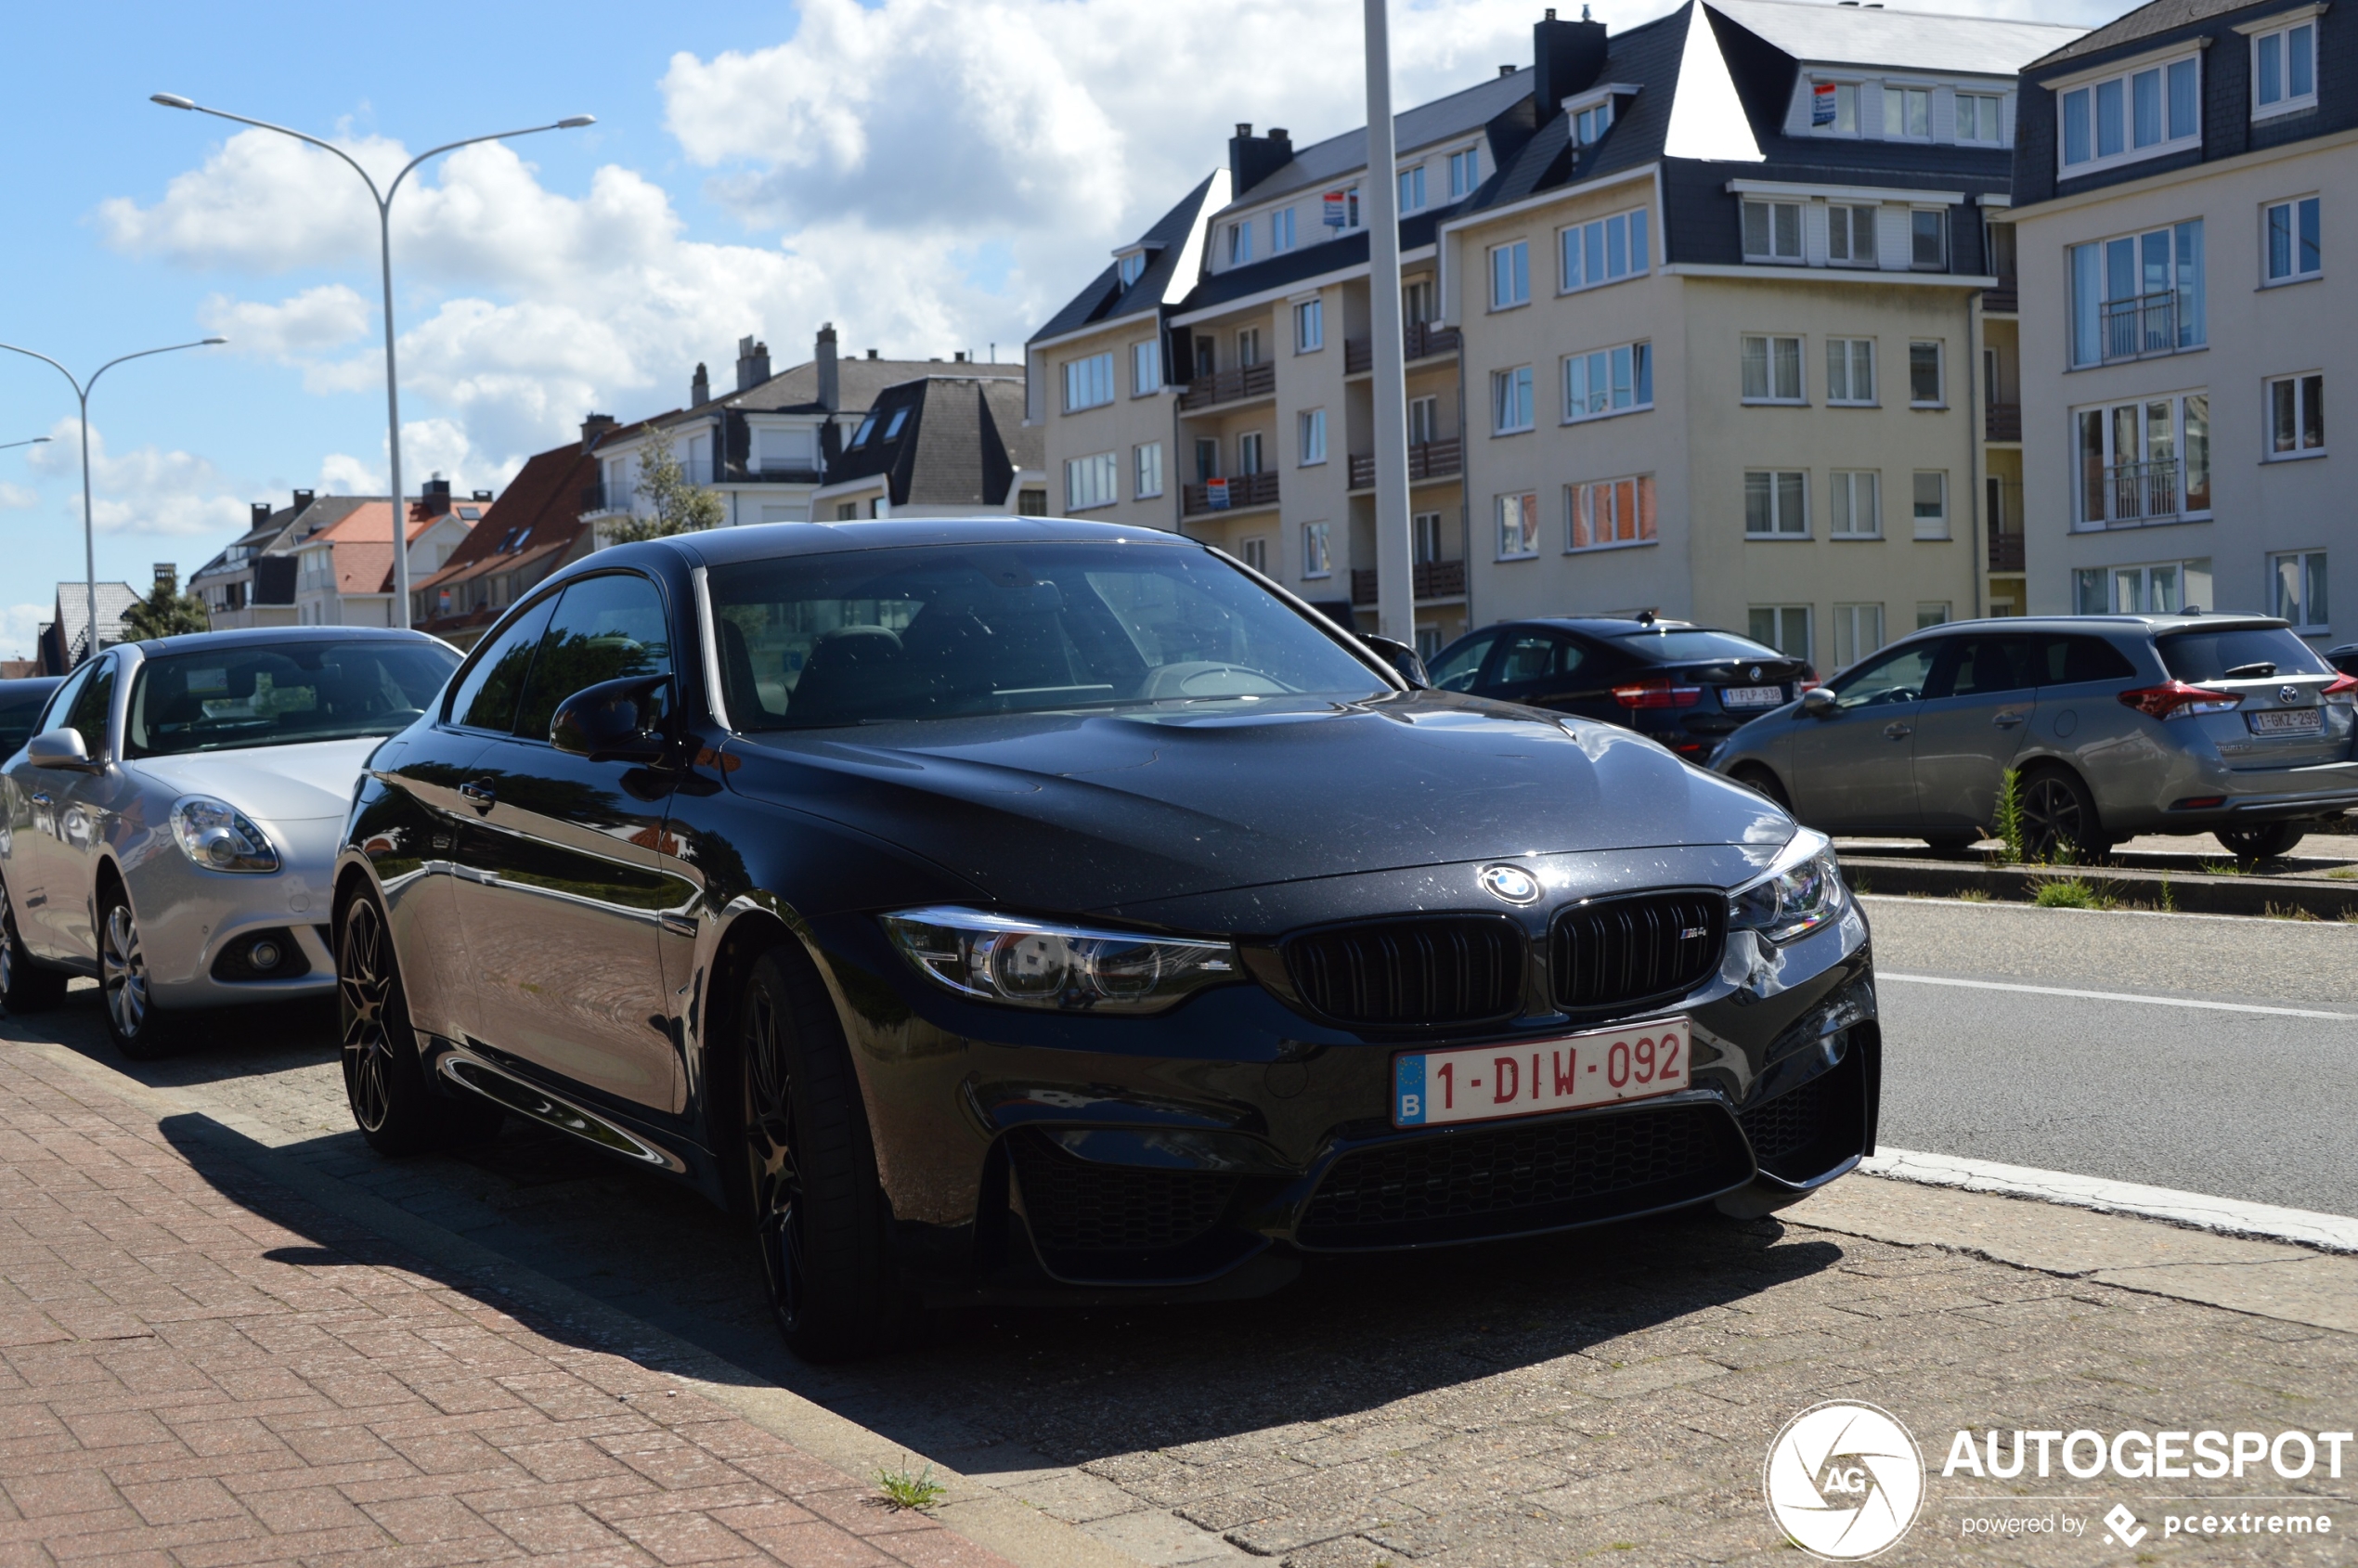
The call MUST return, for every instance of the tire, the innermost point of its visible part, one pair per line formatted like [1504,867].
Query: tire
[25,986]
[384,1083]
[2264,843]
[2059,820]
[1759,779]
[809,1170]
[140,1030]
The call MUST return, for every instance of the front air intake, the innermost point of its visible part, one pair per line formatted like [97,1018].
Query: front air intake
[1620,955]
[1446,969]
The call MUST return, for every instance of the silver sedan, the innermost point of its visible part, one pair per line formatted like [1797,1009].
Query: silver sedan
[172,823]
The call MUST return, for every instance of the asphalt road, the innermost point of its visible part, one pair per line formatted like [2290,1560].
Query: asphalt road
[2259,1106]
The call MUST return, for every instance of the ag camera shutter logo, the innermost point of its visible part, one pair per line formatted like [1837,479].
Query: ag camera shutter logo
[1843,1481]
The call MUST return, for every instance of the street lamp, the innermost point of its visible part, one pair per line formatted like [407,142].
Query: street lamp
[384,251]
[82,393]
[36,441]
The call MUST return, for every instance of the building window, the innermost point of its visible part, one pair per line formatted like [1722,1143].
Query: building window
[1088,384]
[1415,301]
[1341,208]
[1928,238]
[1131,267]
[1772,231]
[2144,113]
[2137,294]
[1247,346]
[1604,251]
[1518,526]
[1907,113]
[2144,462]
[1607,512]
[1858,632]
[2300,590]
[1977,119]
[1924,381]
[1931,612]
[1091,481]
[1465,171]
[1317,559]
[1850,371]
[2296,416]
[1029,503]
[1310,430]
[1850,235]
[1424,420]
[1776,504]
[1931,503]
[1146,367]
[1412,189]
[1309,325]
[1854,504]
[1511,400]
[1148,459]
[1609,381]
[1772,369]
[1254,551]
[2284,70]
[1240,243]
[1281,231]
[1425,530]
[1207,459]
[1782,627]
[2164,588]
[1589,126]
[1510,276]
[1249,452]
[1834,107]
[2294,241]
[1205,357]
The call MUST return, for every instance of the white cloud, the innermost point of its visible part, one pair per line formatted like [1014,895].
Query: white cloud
[21,626]
[301,328]
[341,474]
[144,491]
[16,498]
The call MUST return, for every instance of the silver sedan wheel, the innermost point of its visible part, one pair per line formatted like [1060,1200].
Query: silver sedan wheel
[7,945]
[123,972]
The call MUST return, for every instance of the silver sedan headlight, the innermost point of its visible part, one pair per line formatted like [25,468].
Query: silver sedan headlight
[1801,890]
[218,836]
[1062,968]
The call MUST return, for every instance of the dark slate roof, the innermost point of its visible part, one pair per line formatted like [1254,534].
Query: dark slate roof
[961,441]
[796,390]
[1105,299]
[2147,21]
[1469,110]
[287,527]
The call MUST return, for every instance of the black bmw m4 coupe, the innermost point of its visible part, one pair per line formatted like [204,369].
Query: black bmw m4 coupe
[1007,907]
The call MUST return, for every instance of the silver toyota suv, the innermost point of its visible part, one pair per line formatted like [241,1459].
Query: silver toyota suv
[2119,724]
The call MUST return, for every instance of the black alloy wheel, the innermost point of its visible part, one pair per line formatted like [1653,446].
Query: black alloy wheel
[2264,843]
[2059,820]
[140,1030]
[25,986]
[809,1170]
[393,1104]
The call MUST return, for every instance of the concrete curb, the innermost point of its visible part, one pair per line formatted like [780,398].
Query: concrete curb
[2194,894]
[1023,1535]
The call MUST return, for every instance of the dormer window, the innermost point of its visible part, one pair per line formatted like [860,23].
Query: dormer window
[899,418]
[1834,107]
[1590,125]
[1977,120]
[860,438]
[1131,268]
[2284,68]
[1592,114]
[1465,171]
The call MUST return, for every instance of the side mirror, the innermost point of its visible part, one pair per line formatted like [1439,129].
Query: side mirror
[61,749]
[626,721]
[1817,702]
[1405,662]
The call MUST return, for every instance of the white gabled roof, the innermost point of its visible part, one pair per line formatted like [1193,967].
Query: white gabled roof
[1859,35]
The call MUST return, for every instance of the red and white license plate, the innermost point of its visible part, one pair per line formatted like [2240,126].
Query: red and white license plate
[1488,1082]
[1752,696]
[2287,722]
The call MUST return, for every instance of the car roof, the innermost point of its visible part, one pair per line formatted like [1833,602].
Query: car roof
[1605,625]
[267,636]
[29,684]
[763,542]
[2151,624]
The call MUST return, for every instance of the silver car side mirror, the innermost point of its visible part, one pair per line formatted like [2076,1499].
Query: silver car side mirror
[1817,702]
[60,749]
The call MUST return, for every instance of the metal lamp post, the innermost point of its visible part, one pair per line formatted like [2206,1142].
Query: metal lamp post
[36,441]
[384,256]
[1395,553]
[82,393]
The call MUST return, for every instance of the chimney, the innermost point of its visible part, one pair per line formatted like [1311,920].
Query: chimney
[1253,158]
[960,357]
[595,426]
[435,503]
[482,495]
[753,363]
[1567,57]
[871,353]
[259,517]
[302,502]
[829,380]
[699,387]
[168,578]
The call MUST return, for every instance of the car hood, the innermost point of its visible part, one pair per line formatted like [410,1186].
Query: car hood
[1074,813]
[283,783]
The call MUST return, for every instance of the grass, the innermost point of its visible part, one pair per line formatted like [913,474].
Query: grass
[2287,912]
[2070,893]
[905,1491]
[2007,826]
[2210,868]
[1974,896]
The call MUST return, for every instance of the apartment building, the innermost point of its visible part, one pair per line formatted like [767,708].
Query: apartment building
[1693,327]
[2179,184]
[343,572]
[941,446]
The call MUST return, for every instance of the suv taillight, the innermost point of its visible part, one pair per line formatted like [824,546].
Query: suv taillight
[1657,691]
[2344,690]
[2175,699]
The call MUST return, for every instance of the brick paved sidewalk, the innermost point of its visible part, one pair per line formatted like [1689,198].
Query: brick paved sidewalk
[199,1367]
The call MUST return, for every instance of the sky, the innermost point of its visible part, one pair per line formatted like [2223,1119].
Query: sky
[930,175]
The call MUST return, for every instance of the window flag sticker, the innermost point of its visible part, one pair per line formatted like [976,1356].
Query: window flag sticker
[1821,103]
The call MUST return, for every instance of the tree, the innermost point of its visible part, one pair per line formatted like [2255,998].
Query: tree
[679,504]
[165,611]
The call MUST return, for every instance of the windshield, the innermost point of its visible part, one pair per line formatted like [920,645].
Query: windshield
[282,694]
[2251,653]
[932,633]
[1686,647]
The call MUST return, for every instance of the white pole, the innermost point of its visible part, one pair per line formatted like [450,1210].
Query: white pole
[1395,563]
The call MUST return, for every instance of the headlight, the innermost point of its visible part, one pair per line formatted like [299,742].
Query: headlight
[218,836]
[1063,968]
[1801,891]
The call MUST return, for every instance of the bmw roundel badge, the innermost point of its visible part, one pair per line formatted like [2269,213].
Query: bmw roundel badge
[1756,672]
[1511,883]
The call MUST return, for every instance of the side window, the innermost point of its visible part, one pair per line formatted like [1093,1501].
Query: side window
[488,692]
[88,716]
[53,714]
[2068,660]
[1898,676]
[1526,657]
[605,628]
[1981,667]
[1455,670]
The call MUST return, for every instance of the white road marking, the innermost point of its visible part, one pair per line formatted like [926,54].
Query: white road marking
[2333,1233]
[2118,996]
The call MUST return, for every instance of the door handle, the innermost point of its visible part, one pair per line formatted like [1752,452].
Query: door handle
[480,795]
[1896,731]
[2007,720]
[41,798]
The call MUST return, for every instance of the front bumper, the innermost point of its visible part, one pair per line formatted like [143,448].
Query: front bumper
[197,928]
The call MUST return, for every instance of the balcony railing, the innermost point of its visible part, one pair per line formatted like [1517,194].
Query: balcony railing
[1427,460]
[2135,492]
[2001,300]
[1434,580]
[1419,340]
[2005,552]
[1229,386]
[2135,328]
[593,500]
[2003,421]
[1233,494]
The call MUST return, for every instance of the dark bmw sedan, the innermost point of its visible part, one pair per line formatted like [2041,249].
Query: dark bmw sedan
[999,907]
[1688,687]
